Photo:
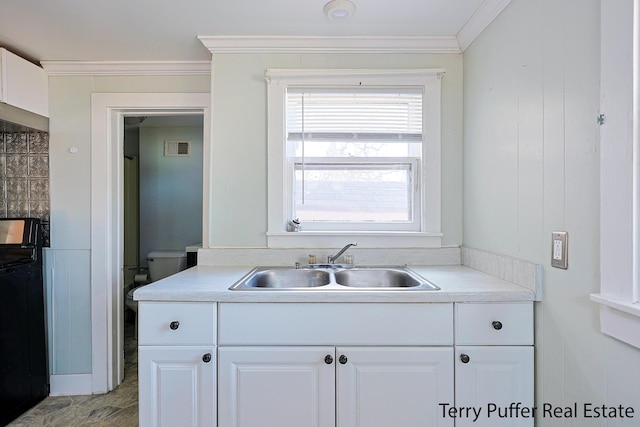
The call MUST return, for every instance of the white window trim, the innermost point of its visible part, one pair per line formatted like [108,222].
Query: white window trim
[620,181]
[277,82]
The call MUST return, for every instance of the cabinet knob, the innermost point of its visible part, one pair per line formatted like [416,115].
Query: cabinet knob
[206,358]
[464,358]
[343,359]
[174,325]
[497,325]
[328,359]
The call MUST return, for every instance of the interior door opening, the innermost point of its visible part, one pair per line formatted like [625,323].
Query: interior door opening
[162,196]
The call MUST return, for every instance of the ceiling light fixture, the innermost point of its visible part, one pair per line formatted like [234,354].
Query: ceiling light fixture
[339,10]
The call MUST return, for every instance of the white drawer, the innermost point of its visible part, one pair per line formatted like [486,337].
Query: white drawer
[494,323]
[169,323]
[336,324]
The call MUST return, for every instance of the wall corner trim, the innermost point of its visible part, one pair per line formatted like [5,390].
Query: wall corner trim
[486,13]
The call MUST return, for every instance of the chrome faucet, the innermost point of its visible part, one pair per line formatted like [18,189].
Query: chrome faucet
[332,258]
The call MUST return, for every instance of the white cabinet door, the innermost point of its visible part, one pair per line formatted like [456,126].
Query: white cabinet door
[23,84]
[276,386]
[393,386]
[177,386]
[493,380]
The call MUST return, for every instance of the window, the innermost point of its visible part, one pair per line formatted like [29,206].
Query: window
[619,296]
[354,152]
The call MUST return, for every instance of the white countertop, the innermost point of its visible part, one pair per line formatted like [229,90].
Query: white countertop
[457,284]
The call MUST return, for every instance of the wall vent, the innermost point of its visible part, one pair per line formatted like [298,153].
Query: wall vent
[177,148]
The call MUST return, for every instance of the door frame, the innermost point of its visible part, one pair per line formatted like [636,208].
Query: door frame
[107,136]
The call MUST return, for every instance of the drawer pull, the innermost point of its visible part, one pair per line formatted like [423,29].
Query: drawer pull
[328,359]
[497,325]
[206,358]
[174,325]
[464,358]
[342,359]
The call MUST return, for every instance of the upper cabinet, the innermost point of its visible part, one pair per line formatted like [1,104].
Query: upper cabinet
[23,84]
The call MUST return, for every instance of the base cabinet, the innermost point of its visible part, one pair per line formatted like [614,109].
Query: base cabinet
[498,381]
[393,386]
[303,365]
[494,364]
[177,386]
[333,386]
[177,364]
[276,386]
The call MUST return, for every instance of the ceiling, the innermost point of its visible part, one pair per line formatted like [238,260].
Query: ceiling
[167,30]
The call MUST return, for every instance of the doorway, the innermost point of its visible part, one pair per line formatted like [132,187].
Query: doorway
[162,193]
[107,218]
[162,190]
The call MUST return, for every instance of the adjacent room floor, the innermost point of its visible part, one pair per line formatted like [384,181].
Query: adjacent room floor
[117,408]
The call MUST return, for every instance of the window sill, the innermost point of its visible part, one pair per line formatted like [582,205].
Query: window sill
[368,239]
[619,318]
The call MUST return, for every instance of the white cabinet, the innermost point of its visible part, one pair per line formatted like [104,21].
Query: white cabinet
[494,323]
[177,386]
[276,386]
[23,84]
[492,379]
[393,386]
[494,364]
[336,324]
[177,364]
[335,364]
[325,386]
[328,364]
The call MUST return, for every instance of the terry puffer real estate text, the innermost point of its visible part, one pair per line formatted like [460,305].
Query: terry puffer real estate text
[519,410]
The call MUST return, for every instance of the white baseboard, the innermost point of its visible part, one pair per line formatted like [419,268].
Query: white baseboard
[71,385]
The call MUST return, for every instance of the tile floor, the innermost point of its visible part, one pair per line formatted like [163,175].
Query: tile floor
[116,408]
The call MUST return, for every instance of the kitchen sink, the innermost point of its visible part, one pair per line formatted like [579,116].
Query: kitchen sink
[381,277]
[283,278]
[330,277]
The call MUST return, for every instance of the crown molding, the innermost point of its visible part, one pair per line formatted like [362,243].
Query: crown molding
[486,13]
[126,68]
[329,44]
[480,20]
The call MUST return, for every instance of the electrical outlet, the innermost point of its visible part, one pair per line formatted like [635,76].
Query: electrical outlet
[559,249]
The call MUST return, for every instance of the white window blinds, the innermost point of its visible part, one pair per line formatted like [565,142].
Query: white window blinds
[354,114]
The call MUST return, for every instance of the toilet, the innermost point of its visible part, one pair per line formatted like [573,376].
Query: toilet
[161,264]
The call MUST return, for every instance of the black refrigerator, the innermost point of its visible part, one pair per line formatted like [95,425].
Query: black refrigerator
[24,376]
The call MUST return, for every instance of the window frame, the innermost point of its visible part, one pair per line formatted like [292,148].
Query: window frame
[279,192]
[619,297]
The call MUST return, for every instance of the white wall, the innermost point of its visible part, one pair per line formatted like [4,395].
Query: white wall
[239,161]
[70,126]
[70,174]
[170,191]
[531,165]
[239,189]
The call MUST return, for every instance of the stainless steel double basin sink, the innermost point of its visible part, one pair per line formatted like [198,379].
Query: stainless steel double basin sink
[333,278]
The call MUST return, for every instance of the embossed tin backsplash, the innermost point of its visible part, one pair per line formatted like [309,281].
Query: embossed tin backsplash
[24,176]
